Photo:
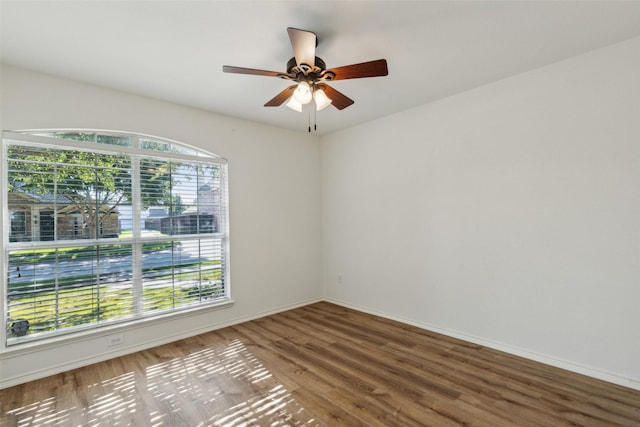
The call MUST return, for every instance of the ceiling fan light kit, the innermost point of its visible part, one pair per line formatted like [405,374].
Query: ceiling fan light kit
[310,79]
[303,95]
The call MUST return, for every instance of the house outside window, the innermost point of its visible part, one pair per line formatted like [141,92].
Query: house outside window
[81,252]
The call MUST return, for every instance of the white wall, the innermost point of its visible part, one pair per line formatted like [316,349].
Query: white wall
[274,184]
[508,215]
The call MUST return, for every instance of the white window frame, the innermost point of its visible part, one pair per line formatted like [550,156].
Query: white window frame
[187,154]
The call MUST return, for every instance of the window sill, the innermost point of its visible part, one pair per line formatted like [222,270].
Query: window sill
[29,345]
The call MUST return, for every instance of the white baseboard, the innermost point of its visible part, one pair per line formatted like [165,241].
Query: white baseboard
[527,354]
[8,381]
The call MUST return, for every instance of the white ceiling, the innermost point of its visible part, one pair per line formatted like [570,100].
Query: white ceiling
[175,50]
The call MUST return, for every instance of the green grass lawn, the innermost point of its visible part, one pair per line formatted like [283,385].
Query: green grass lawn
[64,302]
[51,309]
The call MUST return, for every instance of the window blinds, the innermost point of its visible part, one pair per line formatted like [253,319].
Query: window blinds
[109,228]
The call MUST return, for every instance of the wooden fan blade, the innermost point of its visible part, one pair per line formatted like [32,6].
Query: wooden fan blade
[304,46]
[241,70]
[338,100]
[375,68]
[281,97]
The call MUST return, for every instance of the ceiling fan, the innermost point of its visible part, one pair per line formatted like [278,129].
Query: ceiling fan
[310,74]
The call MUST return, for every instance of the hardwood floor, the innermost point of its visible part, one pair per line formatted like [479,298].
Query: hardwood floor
[319,365]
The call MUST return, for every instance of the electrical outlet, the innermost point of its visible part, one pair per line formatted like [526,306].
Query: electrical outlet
[115,340]
[340,279]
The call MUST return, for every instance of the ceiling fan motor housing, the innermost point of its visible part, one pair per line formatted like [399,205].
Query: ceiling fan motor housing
[305,72]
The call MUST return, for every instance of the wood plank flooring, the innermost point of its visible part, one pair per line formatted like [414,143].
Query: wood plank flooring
[324,365]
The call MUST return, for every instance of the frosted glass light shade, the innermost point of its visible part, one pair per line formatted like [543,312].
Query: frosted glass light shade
[302,94]
[321,99]
[294,104]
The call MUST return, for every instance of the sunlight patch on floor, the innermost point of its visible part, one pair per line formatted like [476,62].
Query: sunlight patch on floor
[224,385]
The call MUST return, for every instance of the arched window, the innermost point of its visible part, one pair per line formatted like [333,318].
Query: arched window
[106,227]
